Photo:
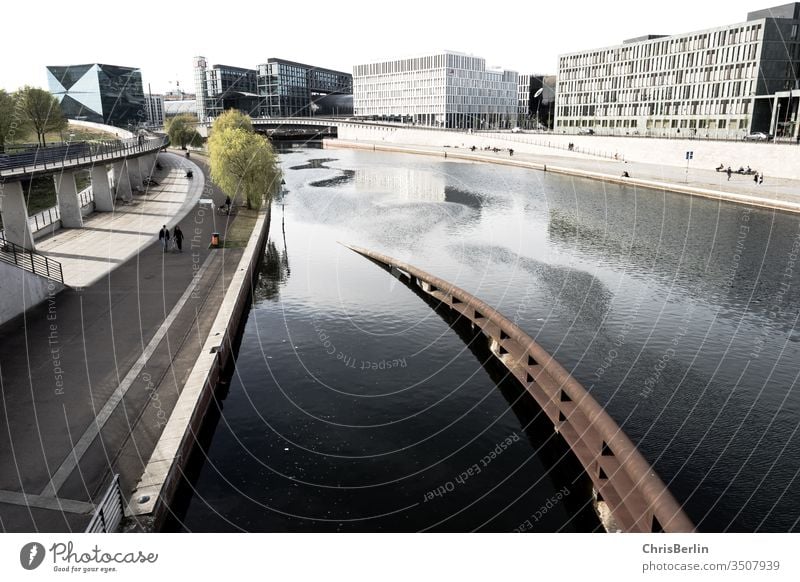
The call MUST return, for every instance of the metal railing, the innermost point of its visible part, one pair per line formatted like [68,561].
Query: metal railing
[624,482]
[109,513]
[54,157]
[35,263]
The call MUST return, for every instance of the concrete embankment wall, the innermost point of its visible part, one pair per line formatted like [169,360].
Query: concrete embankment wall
[23,290]
[773,159]
[561,169]
[173,450]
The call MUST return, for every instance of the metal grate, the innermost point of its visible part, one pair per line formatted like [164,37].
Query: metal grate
[109,513]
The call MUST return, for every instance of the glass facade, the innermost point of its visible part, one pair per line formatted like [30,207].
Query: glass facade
[99,93]
[289,89]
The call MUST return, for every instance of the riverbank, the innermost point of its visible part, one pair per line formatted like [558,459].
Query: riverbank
[775,194]
[149,503]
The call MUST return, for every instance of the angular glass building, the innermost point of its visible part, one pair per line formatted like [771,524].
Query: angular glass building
[100,93]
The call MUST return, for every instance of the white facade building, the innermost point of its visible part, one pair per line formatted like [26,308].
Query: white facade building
[443,89]
[722,82]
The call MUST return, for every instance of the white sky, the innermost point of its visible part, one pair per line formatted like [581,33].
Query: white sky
[161,37]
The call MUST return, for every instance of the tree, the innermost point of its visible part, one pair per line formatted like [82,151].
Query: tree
[232,118]
[9,119]
[41,110]
[244,162]
[182,130]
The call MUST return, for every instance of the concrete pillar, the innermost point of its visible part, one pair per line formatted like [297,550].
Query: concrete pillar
[146,164]
[774,121]
[69,206]
[134,174]
[16,227]
[101,190]
[122,184]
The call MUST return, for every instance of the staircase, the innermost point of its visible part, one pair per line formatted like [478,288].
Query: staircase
[35,263]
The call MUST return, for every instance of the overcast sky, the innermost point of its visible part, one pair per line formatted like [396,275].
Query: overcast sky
[161,37]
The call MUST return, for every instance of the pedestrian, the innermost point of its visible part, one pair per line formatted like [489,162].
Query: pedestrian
[163,237]
[755,177]
[228,202]
[729,172]
[761,179]
[177,236]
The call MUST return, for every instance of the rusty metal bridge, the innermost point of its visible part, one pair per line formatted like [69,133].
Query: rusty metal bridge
[630,497]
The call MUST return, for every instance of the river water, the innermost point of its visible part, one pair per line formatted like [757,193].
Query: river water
[355,407]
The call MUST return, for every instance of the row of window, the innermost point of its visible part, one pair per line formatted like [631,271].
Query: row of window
[735,34]
[721,107]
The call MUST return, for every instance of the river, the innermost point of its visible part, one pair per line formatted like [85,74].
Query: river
[355,407]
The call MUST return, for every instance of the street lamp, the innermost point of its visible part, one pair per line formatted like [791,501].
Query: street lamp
[537,95]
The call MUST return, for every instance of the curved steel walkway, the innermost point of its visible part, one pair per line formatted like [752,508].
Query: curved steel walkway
[630,496]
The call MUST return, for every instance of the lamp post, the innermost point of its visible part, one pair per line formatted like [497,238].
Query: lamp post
[538,96]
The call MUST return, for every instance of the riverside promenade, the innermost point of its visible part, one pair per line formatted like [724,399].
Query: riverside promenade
[89,378]
[774,193]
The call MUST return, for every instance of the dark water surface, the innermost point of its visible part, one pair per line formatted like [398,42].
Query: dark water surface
[355,407]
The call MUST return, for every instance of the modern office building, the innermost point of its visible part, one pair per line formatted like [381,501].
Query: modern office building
[722,82]
[278,88]
[289,89]
[222,87]
[155,109]
[442,89]
[535,109]
[100,93]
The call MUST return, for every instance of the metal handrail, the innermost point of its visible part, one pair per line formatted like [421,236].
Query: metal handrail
[13,254]
[23,163]
[638,499]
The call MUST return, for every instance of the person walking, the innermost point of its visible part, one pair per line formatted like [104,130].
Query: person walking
[163,237]
[228,204]
[177,236]
[755,177]
[761,179]
[729,172]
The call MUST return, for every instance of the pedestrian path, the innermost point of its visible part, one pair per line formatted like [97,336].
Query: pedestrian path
[89,377]
[108,239]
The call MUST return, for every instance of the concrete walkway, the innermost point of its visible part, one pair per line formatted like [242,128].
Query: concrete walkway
[774,192]
[89,378]
[108,239]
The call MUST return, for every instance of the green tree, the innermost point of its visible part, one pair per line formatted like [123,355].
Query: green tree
[243,162]
[9,121]
[182,130]
[232,119]
[41,110]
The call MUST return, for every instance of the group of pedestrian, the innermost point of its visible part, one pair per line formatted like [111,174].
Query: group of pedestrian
[758,178]
[171,241]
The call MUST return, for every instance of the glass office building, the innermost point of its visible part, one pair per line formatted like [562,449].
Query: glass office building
[99,93]
[278,88]
[289,89]
[222,87]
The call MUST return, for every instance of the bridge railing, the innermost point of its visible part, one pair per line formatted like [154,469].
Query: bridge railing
[51,158]
[625,483]
[16,255]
